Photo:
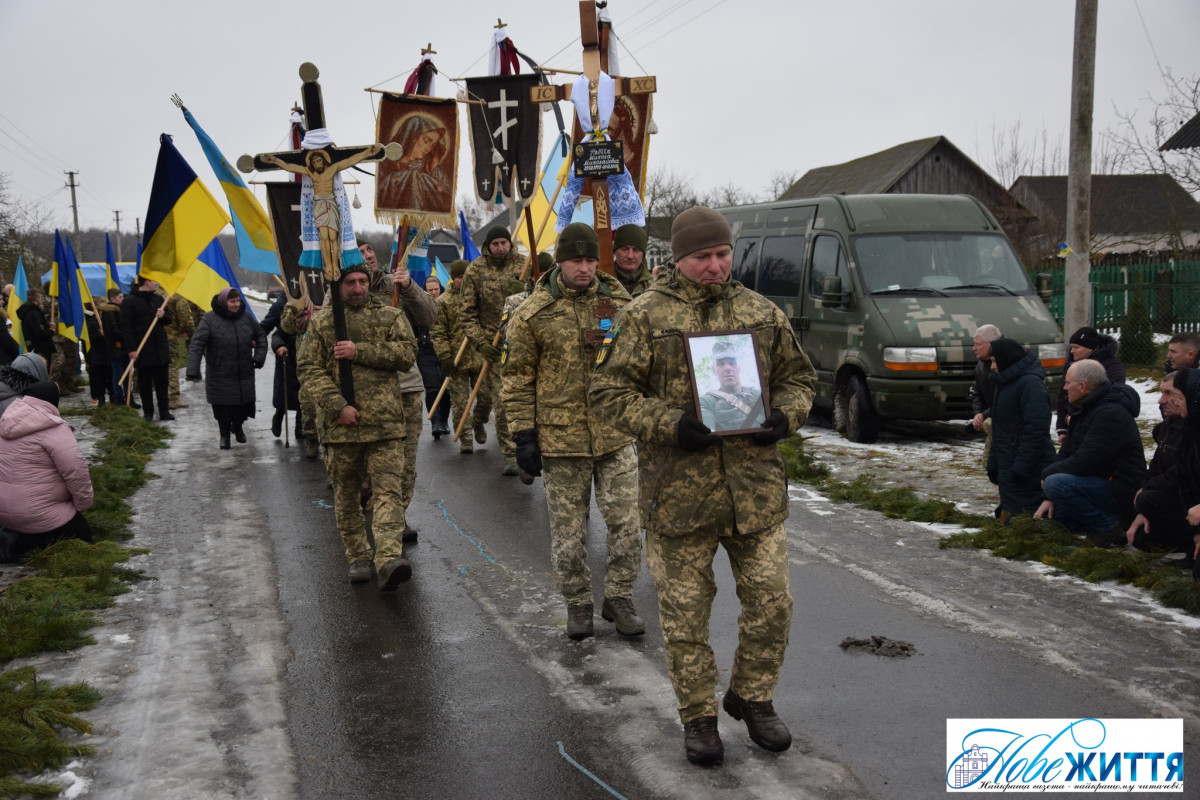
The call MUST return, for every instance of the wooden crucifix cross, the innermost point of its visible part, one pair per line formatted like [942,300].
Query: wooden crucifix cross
[320,165]
[594,62]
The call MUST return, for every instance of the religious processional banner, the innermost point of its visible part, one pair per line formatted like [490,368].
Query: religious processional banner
[283,200]
[502,118]
[422,181]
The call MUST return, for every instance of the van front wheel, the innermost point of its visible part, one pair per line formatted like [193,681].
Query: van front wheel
[856,418]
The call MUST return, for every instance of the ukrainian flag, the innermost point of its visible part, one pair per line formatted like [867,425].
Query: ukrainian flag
[112,278]
[553,171]
[183,218]
[209,275]
[255,242]
[64,284]
[20,294]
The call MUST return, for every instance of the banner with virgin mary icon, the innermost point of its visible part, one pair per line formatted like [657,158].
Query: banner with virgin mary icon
[421,182]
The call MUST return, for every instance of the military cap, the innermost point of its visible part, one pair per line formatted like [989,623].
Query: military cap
[361,266]
[634,235]
[545,261]
[496,232]
[696,229]
[724,350]
[577,241]
[458,268]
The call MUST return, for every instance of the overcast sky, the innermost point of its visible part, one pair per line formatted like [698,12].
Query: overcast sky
[747,88]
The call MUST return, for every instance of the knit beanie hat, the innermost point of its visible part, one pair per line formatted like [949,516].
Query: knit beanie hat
[361,266]
[577,240]
[458,268]
[634,235]
[496,232]
[44,390]
[1087,337]
[545,261]
[32,365]
[696,229]
[1006,352]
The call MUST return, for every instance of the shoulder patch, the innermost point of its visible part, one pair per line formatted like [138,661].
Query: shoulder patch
[605,348]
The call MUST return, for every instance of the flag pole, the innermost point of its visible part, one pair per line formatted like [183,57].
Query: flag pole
[286,389]
[446,383]
[153,322]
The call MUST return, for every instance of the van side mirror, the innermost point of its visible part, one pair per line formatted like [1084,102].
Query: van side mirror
[832,293]
[1042,283]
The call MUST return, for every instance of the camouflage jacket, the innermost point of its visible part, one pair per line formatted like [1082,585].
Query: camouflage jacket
[639,283]
[181,309]
[447,333]
[553,339]
[386,346]
[420,310]
[484,288]
[643,387]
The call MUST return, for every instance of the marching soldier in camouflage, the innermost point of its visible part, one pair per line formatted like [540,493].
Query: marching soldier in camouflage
[420,310]
[629,259]
[364,440]
[731,406]
[179,333]
[447,335]
[700,490]
[294,321]
[553,339]
[488,281]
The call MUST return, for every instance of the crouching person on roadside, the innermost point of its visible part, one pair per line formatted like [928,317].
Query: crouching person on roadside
[1090,486]
[44,480]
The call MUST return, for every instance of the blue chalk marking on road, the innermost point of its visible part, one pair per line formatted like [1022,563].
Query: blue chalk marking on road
[563,752]
[323,504]
[478,544]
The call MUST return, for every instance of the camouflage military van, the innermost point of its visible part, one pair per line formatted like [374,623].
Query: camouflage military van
[885,293]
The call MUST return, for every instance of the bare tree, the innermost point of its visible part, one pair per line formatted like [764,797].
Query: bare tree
[1014,154]
[1133,146]
[781,181]
[25,234]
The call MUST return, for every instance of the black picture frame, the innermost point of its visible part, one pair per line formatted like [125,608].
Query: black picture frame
[727,412]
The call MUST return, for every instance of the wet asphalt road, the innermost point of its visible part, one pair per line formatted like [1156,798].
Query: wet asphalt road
[250,667]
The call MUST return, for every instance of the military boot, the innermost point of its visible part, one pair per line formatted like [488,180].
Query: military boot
[310,448]
[360,571]
[393,573]
[579,620]
[702,743]
[765,727]
[620,610]
[480,433]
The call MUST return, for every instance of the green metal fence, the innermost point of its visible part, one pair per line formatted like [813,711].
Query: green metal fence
[1141,304]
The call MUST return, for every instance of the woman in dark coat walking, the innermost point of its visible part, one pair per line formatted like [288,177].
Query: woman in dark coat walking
[1021,446]
[283,345]
[233,345]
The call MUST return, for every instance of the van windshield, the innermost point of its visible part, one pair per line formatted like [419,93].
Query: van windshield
[943,263]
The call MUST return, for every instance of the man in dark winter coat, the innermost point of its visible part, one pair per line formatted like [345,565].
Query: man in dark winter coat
[1089,343]
[1161,517]
[984,387]
[34,325]
[1188,380]
[153,358]
[1020,414]
[1090,486]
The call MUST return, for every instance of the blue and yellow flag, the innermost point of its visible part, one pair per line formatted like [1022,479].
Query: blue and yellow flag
[20,294]
[64,285]
[553,171]
[470,251]
[252,226]
[441,273]
[183,218]
[209,275]
[112,277]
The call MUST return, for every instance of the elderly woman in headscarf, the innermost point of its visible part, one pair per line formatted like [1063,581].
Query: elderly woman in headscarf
[418,180]
[233,346]
[1188,381]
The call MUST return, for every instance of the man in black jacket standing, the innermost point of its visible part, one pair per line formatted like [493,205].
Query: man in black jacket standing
[1090,486]
[152,357]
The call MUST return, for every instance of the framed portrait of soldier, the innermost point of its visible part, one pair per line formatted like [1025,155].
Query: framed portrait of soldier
[727,386]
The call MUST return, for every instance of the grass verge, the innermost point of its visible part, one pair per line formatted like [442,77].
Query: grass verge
[52,610]
[1026,539]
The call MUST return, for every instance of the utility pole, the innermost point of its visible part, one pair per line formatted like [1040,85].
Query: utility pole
[1078,296]
[74,207]
[117,215]
[137,226]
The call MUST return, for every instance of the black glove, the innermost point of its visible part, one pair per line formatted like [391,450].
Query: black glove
[258,363]
[694,435]
[993,477]
[529,455]
[774,428]
[490,352]
[192,377]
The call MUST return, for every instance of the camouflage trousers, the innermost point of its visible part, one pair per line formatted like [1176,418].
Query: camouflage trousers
[348,464]
[178,345]
[414,420]
[568,497]
[309,424]
[461,384]
[683,576]
[491,385]
[63,363]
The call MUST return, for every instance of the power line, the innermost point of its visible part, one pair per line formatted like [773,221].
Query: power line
[650,23]
[686,22]
[30,138]
[36,166]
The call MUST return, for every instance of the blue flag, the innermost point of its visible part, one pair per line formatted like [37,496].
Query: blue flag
[64,285]
[442,274]
[20,294]
[470,251]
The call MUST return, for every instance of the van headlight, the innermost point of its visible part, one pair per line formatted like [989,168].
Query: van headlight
[911,359]
[1053,354]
